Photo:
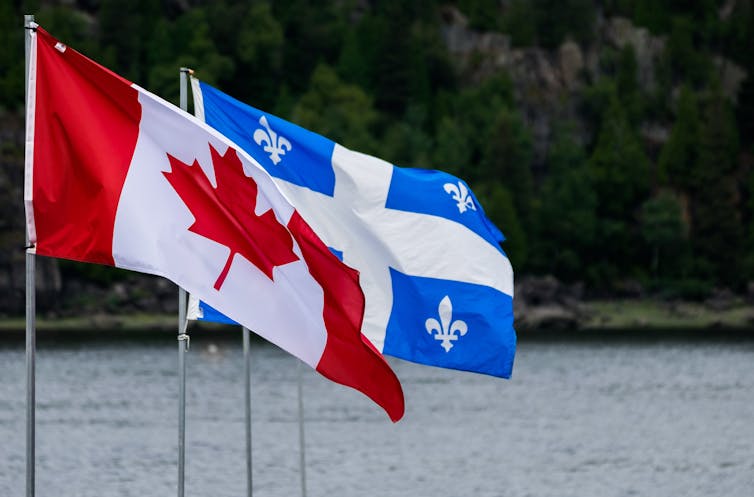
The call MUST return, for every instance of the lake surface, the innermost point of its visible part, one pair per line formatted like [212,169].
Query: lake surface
[601,419]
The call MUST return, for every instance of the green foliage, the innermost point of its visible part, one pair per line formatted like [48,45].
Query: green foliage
[679,155]
[260,39]
[717,224]
[378,77]
[687,61]
[561,19]
[664,230]
[95,273]
[11,59]
[619,170]
[452,153]
[520,23]
[506,157]
[567,219]
[499,207]
[628,85]
[619,167]
[473,113]
[119,21]
[259,45]
[313,32]
[186,43]
[337,110]
[737,33]
[549,22]
[748,261]
[483,15]
[406,143]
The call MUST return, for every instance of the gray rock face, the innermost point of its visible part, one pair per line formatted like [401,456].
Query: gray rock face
[543,302]
[544,81]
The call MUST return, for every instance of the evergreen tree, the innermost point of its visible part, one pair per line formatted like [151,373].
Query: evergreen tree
[679,154]
[122,25]
[260,51]
[619,166]
[11,59]
[498,205]
[452,153]
[567,220]
[190,44]
[717,229]
[405,142]
[507,157]
[339,111]
[748,262]
[620,175]
[313,34]
[688,62]
[664,230]
[392,87]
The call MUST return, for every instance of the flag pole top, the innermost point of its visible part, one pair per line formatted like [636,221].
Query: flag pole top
[187,70]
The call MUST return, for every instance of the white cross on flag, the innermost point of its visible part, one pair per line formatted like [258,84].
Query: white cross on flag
[438,287]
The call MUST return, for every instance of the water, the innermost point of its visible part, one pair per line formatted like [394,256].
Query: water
[579,419]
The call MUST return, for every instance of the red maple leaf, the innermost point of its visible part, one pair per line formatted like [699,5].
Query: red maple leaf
[226,214]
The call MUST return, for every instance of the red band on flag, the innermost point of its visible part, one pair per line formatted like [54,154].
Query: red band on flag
[86,127]
[348,353]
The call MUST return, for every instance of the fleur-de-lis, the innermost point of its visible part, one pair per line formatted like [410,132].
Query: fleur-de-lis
[461,195]
[276,145]
[446,329]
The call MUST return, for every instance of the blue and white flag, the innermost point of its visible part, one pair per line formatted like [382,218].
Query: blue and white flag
[438,287]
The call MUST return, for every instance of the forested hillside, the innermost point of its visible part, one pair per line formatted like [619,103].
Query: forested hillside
[610,141]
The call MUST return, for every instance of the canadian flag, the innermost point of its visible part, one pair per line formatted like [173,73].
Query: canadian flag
[118,176]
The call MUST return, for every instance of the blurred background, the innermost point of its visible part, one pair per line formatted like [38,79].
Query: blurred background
[611,141]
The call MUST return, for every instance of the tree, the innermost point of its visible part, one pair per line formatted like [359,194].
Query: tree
[679,154]
[687,61]
[498,204]
[748,263]
[313,34]
[619,167]
[260,51]
[663,228]
[123,27]
[717,232]
[11,62]
[520,23]
[620,176]
[469,118]
[452,153]
[559,19]
[567,220]
[261,37]
[190,45]
[405,142]
[339,111]
[506,158]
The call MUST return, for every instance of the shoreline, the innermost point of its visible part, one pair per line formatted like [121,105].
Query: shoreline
[591,319]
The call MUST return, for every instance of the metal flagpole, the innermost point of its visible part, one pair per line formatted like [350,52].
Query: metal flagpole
[31,339]
[301,441]
[247,359]
[183,343]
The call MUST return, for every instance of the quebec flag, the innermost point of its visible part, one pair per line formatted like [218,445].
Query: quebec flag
[438,287]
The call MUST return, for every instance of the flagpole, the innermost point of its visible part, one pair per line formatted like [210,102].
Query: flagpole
[247,359]
[31,338]
[182,347]
[301,441]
